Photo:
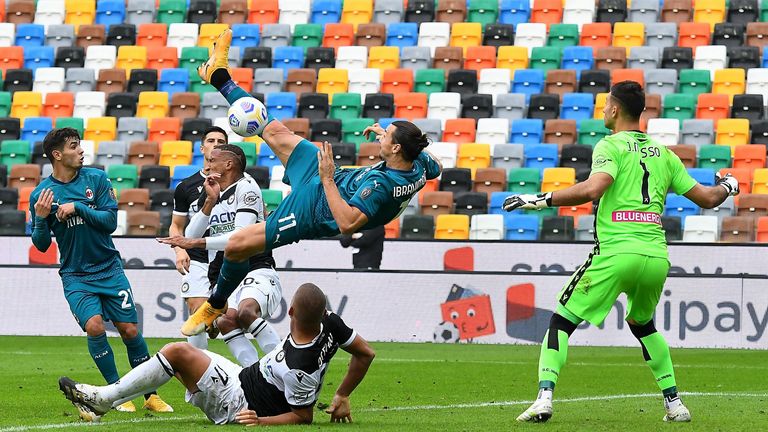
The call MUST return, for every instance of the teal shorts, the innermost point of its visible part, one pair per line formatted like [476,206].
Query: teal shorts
[111,298]
[593,289]
[304,213]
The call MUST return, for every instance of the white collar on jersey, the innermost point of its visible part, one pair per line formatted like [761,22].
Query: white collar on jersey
[308,344]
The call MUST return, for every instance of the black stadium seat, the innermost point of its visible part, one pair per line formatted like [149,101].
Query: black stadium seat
[462,81]
[260,174]
[10,128]
[202,12]
[748,106]
[257,57]
[18,80]
[379,105]
[557,228]
[122,104]
[142,80]
[729,34]
[326,130]
[121,35]
[499,35]
[9,198]
[576,156]
[456,180]
[70,57]
[313,106]
[319,57]
[471,203]
[544,106]
[677,58]
[12,222]
[611,11]
[595,81]
[745,57]
[420,11]
[476,106]
[154,177]
[192,128]
[418,227]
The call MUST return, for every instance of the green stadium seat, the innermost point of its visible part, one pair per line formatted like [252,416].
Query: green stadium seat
[192,57]
[272,199]
[352,129]
[197,85]
[591,131]
[5,104]
[123,176]
[546,58]
[71,122]
[483,11]
[764,11]
[524,180]
[714,157]
[14,152]
[429,81]
[346,106]
[680,106]
[563,35]
[249,149]
[307,35]
[172,11]
[695,81]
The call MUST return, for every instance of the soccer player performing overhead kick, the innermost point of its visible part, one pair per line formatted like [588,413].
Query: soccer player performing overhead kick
[324,201]
[631,174]
[78,205]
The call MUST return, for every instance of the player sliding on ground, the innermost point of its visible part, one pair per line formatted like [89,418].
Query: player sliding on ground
[78,204]
[324,201]
[631,175]
[282,388]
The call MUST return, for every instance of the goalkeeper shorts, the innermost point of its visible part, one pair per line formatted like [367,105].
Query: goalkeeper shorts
[593,289]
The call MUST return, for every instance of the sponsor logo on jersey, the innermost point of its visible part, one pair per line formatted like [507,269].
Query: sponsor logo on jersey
[223,228]
[185,287]
[636,216]
[365,193]
[409,189]
[250,198]
[599,162]
[88,193]
[199,189]
[231,200]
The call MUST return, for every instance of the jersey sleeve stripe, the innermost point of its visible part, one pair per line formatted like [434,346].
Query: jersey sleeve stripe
[247,210]
[350,340]
[178,213]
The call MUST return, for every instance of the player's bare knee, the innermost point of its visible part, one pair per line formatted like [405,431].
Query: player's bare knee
[227,322]
[128,330]
[247,314]
[95,326]
[175,350]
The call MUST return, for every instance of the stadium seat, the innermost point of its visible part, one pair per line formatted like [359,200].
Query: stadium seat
[452,227]
[13,152]
[164,129]
[743,175]
[444,151]
[692,34]
[544,106]
[476,106]
[596,35]
[737,229]
[456,180]
[560,131]
[448,58]
[379,105]
[459,131]
[346,105]
[679,106]
[628,34]
[512,58]
[313,106]
[698,132]
[493,131]
[100,129]
[677,58]
[57,105]
[686,153]
[527,131]
[761,234]
[541,156]
[644,58]
[474,156]
[436,203]
[677,11]
[18,80]
[282,105]
[664,130]
[510,106]
[557,178]
[444,106]
[728,34]
[594,81]
[752,205]
[411,106]
[729,82]
[576,106]
[760,181]
[660,34]
[661,81]
[709,11]
[174,153]
[545,58]
[91,34]
[490,180]
[62,35]
[152,105]
[748,106]
[26,104]
[268,80]
[331,81]
[712,106]
[732,132]
[680,206]
[557,228]
[383,58]
[111,81]
[486,227]
[749,156]
[121,35]
[531,35]
[701,229]
[576,156]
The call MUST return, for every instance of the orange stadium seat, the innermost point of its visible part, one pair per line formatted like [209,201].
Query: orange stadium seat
[263,12]
[164,129]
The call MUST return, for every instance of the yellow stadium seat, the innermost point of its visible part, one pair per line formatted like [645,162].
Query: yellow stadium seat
[452,227]
[80,12]
[332,81]
[383,58]
[174,153]
[131,57]
[709,11]
[628,34]
[474,156]
[152,105]
[100,129]
[557,178]
[732,132]
[729,81]
[208,34]
[760,181]
[599,105]
[357,12]
[512,57]
[466,34]
[26,104]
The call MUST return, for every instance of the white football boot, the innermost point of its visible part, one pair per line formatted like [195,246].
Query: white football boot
[539,412]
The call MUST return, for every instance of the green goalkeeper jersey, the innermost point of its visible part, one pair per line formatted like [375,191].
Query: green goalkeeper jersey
[628,217]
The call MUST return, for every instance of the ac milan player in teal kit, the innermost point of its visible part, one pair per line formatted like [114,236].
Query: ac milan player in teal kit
[78,204]
[324,200]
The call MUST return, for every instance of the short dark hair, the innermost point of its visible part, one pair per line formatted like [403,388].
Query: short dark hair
[631,97]
[239,153]
[410,137]
[216,129]
[55,140]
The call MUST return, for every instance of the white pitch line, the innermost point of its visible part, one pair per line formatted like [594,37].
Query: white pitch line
[398,408]
[639,363]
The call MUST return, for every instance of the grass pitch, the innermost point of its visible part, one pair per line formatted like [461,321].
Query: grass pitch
[424,387]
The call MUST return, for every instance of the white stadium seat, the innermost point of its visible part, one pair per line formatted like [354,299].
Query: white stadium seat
[434,34]
[492,131]
[486,227]
[700,229]
[352,57]
[98,57]
[665,131]
[89,104]
[444,106]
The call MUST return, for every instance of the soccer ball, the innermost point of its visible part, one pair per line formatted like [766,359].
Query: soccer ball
[247,117]
[446,332]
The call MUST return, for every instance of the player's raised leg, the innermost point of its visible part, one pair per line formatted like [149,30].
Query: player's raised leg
[215,71]
[234,337]
[177,359]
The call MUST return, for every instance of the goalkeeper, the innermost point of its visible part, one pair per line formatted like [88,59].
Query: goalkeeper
[631,174]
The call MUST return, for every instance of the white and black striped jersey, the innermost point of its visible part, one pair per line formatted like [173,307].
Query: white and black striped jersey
[243,196]
[291,375]
[185,203]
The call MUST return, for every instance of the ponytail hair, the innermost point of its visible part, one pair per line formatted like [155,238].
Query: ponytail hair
[410,138]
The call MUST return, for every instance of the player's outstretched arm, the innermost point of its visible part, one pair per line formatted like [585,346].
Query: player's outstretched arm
[296,416]
[712,196]
[102,220]
[40,209]
[349,219]
[589,190]
[362,357]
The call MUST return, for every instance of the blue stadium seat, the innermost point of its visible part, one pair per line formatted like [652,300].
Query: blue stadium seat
[541,156]
[521,226]
[173,81]
[680,206]
[497,199]
[527,131]
[704,176]
[578,58]
[765,58]
[282,105]
[386,121]
[287,58]
[198,158]
[514,11]
[30,35]
[245,35]
[267,157]
[35,128]
[37,57]
[577,106]
[180,172]
[110,12]
[528,81]
[402,34]
[326,11]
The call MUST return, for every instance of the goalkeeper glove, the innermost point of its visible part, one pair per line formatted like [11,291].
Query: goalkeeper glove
[527,202]
[728,182]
